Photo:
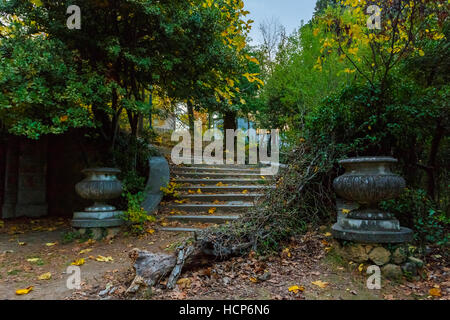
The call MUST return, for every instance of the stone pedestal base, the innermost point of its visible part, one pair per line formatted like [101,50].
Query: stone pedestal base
[368,226]
[372,236]
[97,219]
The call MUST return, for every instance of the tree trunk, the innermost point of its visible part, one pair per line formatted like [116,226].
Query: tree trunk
[190,108]
[432,170]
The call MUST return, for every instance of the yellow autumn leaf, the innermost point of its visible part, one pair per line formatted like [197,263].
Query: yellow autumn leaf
[287,252]
[78,262]
[253,279]
[45,276]
[199,191]
[296,289]
[104,259]
[85,251]
[212,210]
[184,282]
[361,267]
[328,234]
[51,244]
[216,202]
[37,3]
[2,224]
[435,292]
[345,211]
[20,292]
[33,260]
[180,201]
[21,243]
[151,231]
[245,192]
[191,191]
[320,284]
[421,53]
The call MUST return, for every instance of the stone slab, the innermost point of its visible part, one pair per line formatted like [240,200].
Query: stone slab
[95,223]
[203,219]
[97,215]
[159,177]
[404,235]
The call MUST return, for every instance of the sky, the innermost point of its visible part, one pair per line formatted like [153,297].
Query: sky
[288,12]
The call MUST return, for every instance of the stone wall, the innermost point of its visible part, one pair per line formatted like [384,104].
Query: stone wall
[38,178]
[395,261]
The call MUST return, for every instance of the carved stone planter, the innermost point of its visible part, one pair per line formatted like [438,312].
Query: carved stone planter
[100,185]
[368,181]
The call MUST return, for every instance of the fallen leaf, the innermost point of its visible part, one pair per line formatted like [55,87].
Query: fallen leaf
[2,224]
[184,283]
[45,276]
[151,231]
[104,259]
[435,292]
[22,243]
[254,280]
[286,252]
[85,251]
[296,289]
[212,210]
[345,211]
[199,191]
[33,260]
[320,284]
[361,267]
[78,262]
[328,234]
[51,244]
[20,292]
[245,192]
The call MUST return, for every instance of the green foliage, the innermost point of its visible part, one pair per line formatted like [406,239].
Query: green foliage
[135,216]
[71,236]
[417,211]
[296,87]
[41,91]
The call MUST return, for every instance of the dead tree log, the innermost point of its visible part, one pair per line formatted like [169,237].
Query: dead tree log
[152,268]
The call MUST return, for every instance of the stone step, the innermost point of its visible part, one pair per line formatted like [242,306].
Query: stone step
[213,169]
[192,207]
[203,219]
[235,188]
[225,166]
[224,181]
[180,229]
[221,175]
[249,197]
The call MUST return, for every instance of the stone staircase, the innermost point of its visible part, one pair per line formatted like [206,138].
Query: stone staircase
[214,194]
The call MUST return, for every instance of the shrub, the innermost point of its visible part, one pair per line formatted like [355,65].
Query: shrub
[415,210]
[135,216]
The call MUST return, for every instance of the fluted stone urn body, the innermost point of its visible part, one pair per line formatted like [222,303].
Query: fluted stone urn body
[100,185]
[366,182]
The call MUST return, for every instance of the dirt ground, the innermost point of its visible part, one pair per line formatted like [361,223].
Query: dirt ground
[32,248]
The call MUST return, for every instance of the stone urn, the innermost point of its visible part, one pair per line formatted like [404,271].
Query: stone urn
[100,185]
[367,181]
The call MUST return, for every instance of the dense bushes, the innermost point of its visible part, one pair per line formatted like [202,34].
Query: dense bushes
[415,210]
